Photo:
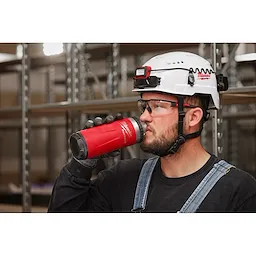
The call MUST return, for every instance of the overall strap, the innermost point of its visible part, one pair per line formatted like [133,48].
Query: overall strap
[219,169]
[141,193]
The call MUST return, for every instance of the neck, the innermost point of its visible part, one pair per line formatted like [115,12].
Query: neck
[190,157]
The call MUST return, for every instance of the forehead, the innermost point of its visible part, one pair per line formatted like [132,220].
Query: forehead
[156,95]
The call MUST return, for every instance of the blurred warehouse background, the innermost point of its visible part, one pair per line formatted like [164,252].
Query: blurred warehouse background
[47,91]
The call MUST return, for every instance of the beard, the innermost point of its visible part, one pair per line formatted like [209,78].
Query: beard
[161,145]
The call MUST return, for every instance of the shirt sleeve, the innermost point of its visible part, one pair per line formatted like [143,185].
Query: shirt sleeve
[247,194]
[74,191]
[248,206]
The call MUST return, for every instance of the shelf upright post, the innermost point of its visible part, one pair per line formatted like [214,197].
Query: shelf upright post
[84,91]
[115,68]
[75,86]
[74,73]
[81,79]
[72,81]
[81,72]
[113,71]
[68,94]
[204,135]
[138,60]
[113,81]
[216,52]
[25,130]
[233,128]
[51,131]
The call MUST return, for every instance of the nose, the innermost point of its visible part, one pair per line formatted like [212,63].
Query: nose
[145,116]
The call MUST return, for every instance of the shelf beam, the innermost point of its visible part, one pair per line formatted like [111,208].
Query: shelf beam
[243,95]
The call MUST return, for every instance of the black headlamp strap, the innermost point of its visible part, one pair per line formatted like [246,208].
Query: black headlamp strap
[193,135]
[181,115]
[180,139]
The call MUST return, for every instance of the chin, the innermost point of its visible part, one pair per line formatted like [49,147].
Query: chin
[147,143]
[147,140]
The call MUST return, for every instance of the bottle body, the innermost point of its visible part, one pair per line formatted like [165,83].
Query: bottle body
[102,139]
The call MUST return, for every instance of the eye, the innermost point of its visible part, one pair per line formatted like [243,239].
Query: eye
[156,105]
[143,105]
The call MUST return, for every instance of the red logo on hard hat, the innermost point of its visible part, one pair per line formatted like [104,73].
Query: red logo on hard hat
[203,76]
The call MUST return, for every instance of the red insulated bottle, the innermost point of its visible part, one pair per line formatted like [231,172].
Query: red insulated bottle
[105,138]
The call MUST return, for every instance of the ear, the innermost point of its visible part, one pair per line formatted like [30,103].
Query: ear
[193,117]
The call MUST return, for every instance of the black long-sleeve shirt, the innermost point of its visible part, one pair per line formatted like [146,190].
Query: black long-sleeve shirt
[113,190]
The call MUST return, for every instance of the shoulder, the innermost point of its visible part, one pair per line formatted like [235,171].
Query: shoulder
[240,177]
[240,187]
[241,182]
[236,175]
[244,179]
[245,190]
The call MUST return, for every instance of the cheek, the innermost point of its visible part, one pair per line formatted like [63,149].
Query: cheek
[165,125]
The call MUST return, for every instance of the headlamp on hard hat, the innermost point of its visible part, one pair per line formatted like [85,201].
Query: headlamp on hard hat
[142,78]
[142,72]
[222,82]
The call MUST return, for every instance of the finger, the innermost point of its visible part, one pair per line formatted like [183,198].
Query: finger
[98,121]
[119,116]
[109,119]
[89,124]
[88,163]
[111,154]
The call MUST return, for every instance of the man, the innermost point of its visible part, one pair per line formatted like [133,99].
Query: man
[176,90]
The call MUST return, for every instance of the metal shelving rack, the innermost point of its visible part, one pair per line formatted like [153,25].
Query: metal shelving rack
[25,131]
[76,74]
[217,115]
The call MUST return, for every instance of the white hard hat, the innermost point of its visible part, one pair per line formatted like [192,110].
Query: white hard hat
[181,73]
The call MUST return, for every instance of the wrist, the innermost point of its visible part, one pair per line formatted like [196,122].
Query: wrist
[81,168]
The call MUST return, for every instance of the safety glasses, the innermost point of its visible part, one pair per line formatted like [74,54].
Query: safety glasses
[157,107]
